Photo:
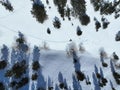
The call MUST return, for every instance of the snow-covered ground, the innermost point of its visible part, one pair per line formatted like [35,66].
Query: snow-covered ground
[59,61]
[53,61]
[22,20]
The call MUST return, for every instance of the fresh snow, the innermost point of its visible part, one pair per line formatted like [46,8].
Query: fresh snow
[56,60]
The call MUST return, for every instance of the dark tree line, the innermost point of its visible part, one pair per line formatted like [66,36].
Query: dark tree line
[79,10]
[106,7]
[38,11]
[7,5]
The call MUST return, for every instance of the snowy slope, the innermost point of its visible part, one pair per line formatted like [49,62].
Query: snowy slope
[58,61]
[55,61]
[22,20]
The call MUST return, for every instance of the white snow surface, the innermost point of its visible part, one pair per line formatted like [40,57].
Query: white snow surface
[54,61]
[22,20]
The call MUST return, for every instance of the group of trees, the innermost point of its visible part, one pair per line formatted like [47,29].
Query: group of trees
[79,10]
[106,7]
[20,69]
[98,25]
[38,11]
[7,5]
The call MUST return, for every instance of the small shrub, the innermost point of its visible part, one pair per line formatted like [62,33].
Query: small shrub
[104,64]
[19,69]
[80,75]
[117,77]
[61,85]
[104,81]
[98,75]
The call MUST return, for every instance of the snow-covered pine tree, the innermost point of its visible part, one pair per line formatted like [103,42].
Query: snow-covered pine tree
[7,5]
[47,1]
[71,47]
[41,83]
[97,24]
[56,22]
[35,65]
[19,71]
[117,38]
[38,2]
[61,7]
[78,32]
[116,75]
[79,11]
[38,11]
[4,64]
[48,31]
[115,56]
[103,55]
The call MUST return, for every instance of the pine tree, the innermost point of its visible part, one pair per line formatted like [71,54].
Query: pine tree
[19,65]
[117,38]
[7,5]
[61,7]
[79,32]
[35,65]
[3,67]
[38,11]
[56,23]
[97,24]
[48,31]
[115,56]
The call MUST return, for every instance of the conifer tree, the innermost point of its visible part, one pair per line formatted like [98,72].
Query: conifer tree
[79,32]
[38,11]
